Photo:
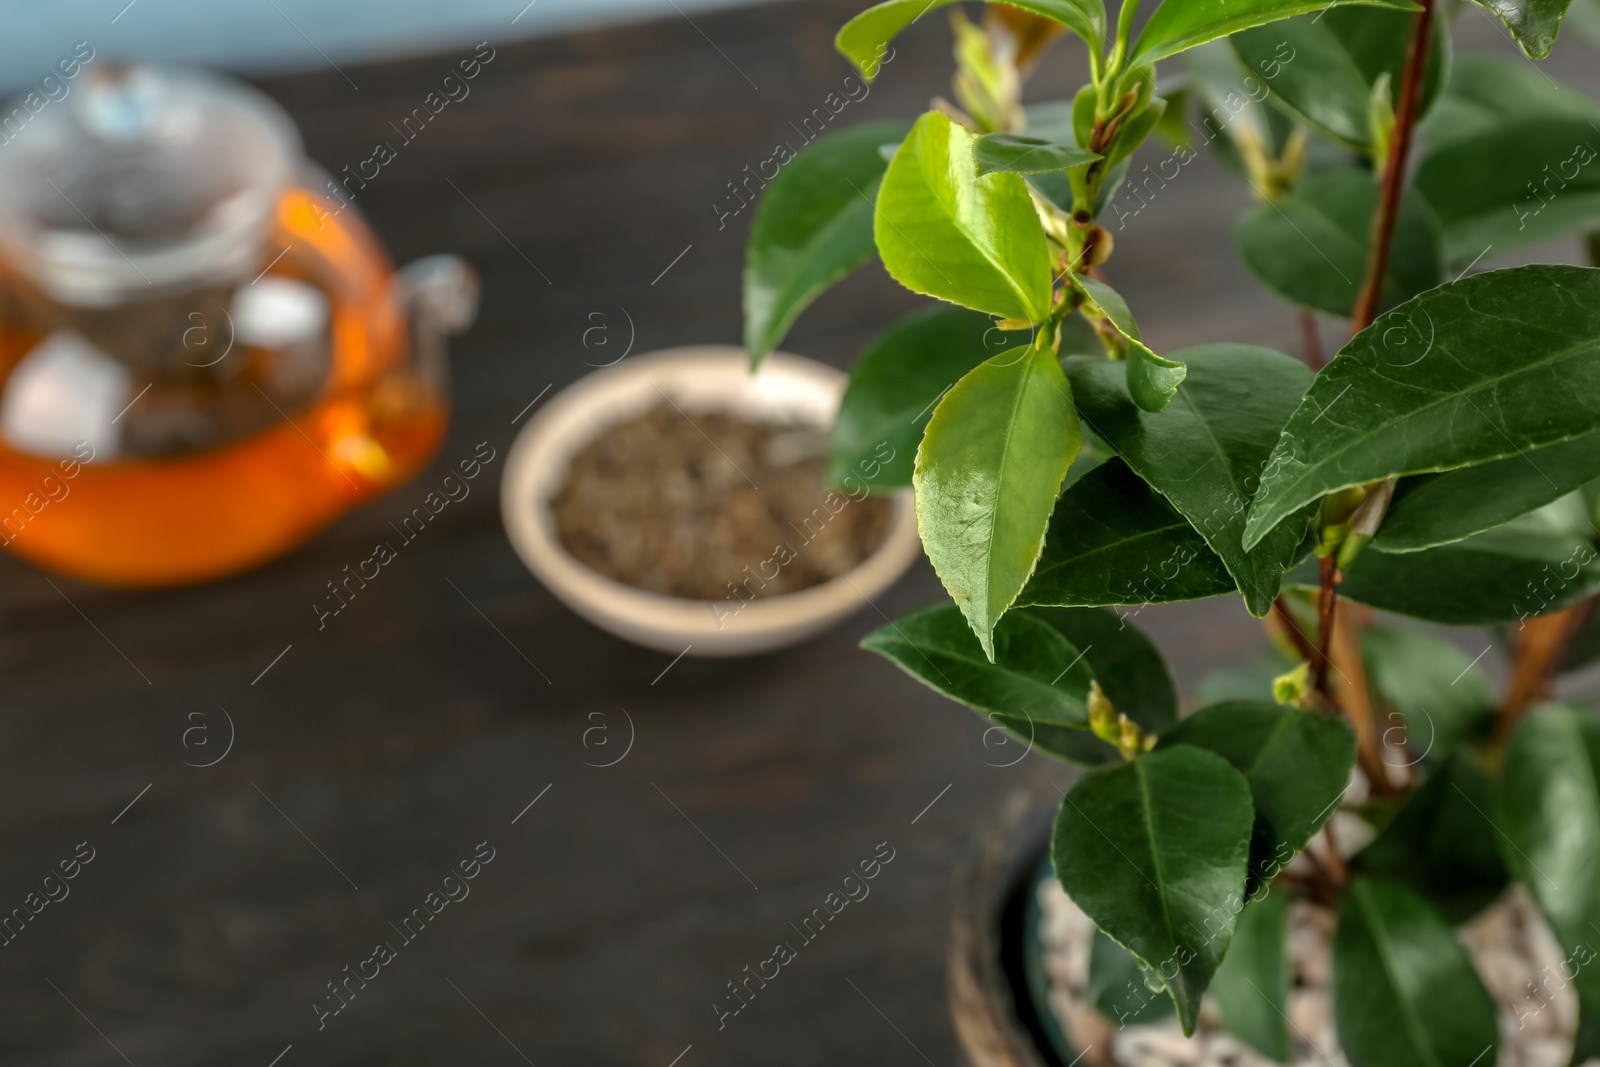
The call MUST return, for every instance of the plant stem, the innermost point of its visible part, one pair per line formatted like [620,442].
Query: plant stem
[1541,648]
[1311,340]
[1394,173]
[1327,599]
[1382,236]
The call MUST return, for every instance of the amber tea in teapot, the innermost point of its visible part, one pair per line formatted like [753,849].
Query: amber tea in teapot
[204,358]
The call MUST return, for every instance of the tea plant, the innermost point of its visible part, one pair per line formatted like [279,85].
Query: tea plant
[1440,466]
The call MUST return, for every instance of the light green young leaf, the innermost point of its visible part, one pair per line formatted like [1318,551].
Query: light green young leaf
[1323,68]
[1473,371]
[1114,540]
[1310,245]
[1252,985]
[1205,452]
[1017,153]
[988,471]
[1154,851]
[1404,991]
[864,40]
[1152,379]
[944,231]
[814,226]
[1177,25]
[1549,814]
[895,385]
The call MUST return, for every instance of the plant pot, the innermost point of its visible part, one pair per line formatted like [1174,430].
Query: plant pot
[699,379]
[1018,968]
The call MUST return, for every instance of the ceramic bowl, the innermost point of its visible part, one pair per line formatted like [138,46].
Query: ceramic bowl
[705,378]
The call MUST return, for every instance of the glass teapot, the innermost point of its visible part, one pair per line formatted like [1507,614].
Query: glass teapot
[205,355]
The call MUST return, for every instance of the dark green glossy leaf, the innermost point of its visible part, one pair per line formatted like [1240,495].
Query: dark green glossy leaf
[1129,669]
[1472,371]
[1503,575]
[1114,540]
[988,471]
[894,387]
[1036,673]
[1441,843]
[1438,696]
[1017,153]
[814,227]
[1404,991]
[1297,763]
[1252,985]
[1177,25]
[864,39]
[944,231]
[1310,246]
[1117,986]
[1514,185]
[1436,509]
[1549,813]
[1154,851]
[1205,452]
[1323,67]
[1534,23]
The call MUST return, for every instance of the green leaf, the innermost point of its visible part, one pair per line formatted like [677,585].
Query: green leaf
[1111,302]
[1501,575]
[1437,509]
[1130,671]
[894,386]
[814,226]
[1472,371]
[1442,845]
[1205,452]
[1035,674]
[1534,23]
[1514,185]
[1154,851]
[1404,991]
[988,471]
[1487,93]
[1252,985]
[1549,814]
[944,231]
[1017,153]
[1117,986]
[1334,59]
[1114,540]
[1438,695]
[865,38]
[1153,380]
[1310,246]
[1177,25]
[1297,763]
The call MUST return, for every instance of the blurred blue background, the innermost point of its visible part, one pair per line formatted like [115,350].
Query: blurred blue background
[261,36]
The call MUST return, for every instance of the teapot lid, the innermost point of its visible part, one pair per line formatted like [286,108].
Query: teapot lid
[141,182]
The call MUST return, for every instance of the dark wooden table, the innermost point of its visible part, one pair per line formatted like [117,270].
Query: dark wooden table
[368,759]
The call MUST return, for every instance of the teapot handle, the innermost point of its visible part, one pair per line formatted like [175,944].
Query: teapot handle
[439,297]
